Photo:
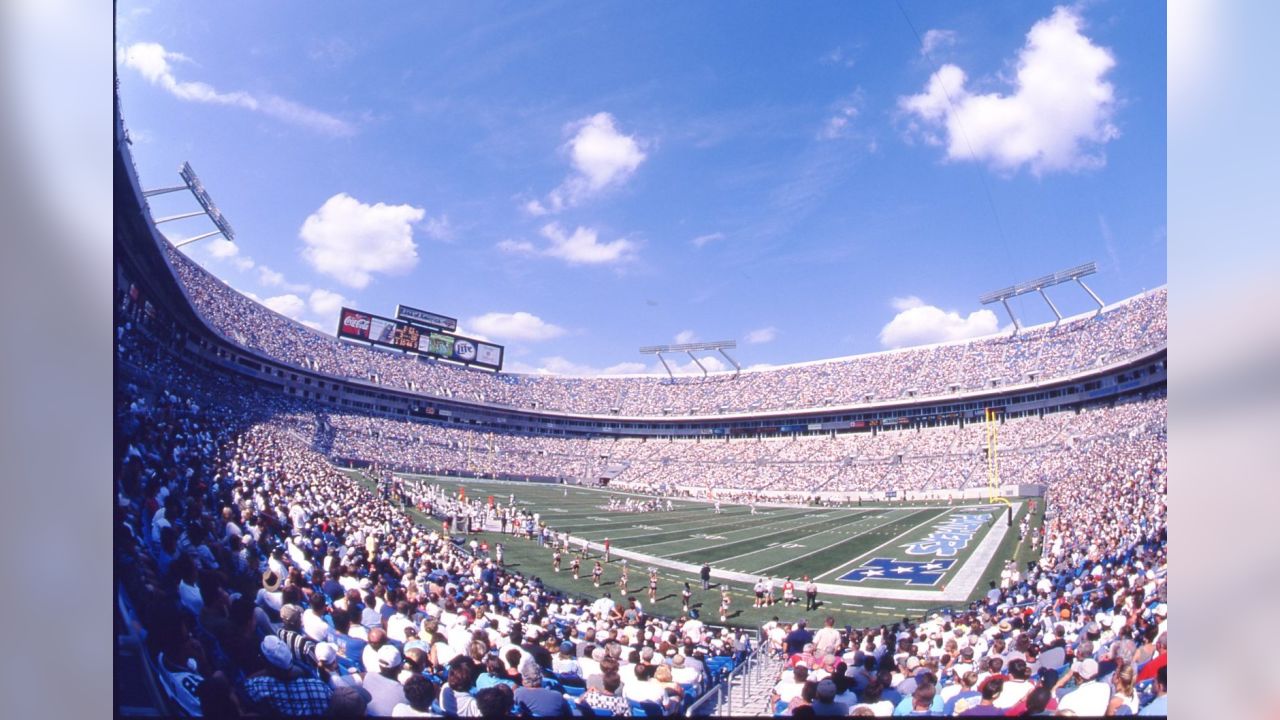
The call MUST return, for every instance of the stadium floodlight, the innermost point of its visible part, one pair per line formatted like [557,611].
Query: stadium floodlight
[690,348]
[1038,286]
[191,182]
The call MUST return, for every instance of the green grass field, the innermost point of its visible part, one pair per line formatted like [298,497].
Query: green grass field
[864,549]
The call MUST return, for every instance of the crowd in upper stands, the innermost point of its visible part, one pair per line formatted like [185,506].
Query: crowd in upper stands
[1033,450]
[1130,329]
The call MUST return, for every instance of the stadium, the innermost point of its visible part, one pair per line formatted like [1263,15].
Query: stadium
[380,519]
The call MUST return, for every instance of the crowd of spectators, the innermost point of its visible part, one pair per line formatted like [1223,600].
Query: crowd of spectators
[1132,328]
[934,461]
[1083,631]
[265,581]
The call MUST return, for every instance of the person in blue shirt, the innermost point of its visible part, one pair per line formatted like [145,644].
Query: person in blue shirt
[1160,705]
[537,700]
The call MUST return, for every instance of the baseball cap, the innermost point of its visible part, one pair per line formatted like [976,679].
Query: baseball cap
[326,652]
[566,647]
[349,701]
[389,657]
[1087,668]
[290,614]
[276,652]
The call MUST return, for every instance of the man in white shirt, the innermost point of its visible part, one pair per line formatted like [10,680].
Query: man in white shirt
[1016,688]
[1090,698]
[398,622]
[684,674]
[827,640]
[313,622]
[644,689]
[789,687]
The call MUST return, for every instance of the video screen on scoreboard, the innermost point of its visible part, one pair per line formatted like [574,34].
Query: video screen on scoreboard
[440,344]
[365,327]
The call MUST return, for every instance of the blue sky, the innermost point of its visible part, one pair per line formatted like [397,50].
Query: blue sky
[576,181]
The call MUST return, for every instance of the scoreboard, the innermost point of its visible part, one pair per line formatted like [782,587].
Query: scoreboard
[378,330]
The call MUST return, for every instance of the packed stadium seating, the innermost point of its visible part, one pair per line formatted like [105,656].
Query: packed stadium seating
[1132,328]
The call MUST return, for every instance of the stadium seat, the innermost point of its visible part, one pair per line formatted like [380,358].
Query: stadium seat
[645,709]
[779,708]
[574,690]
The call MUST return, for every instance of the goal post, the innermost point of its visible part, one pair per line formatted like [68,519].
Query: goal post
[993,462]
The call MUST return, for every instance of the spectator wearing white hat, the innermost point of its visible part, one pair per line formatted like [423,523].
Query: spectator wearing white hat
[1090,697]
[327,665]
[382,684]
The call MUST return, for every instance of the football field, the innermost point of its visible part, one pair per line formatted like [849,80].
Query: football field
[873,564]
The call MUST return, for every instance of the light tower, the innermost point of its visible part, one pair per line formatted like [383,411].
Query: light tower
[690,348]
[1038,285]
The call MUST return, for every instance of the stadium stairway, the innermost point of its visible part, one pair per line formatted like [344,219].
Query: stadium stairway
[747,692]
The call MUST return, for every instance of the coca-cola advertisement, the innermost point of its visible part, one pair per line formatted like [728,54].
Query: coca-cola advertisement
[354,324]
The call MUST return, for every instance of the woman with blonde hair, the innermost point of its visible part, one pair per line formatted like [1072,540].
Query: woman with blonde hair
[675,693]
[1122,691]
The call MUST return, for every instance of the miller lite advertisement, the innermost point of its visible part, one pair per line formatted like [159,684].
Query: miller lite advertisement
[354,324]
[464,350]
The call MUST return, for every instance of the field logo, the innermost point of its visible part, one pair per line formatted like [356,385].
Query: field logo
[950,536]
[910,572]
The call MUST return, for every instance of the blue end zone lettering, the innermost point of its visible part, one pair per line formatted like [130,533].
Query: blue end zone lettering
[904,571]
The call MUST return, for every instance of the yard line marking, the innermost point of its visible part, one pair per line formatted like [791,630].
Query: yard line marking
[826,517]
[855,518]
[881,607]
[791,560]
[674,527]
[748,529]
[838,568]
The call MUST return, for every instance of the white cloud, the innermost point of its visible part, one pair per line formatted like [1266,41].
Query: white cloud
[935,40]
[151,61]
[601,156]
[326,302]
[762,335]
[839,57]
[704,239]
[517,247]
[1057,117]
[686,336]
[843,112]
[584,248]
[268,277]
[439,229]
[289,305]
[515,326]
[837,125]
[220,248]
[350,240]
[920,324]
